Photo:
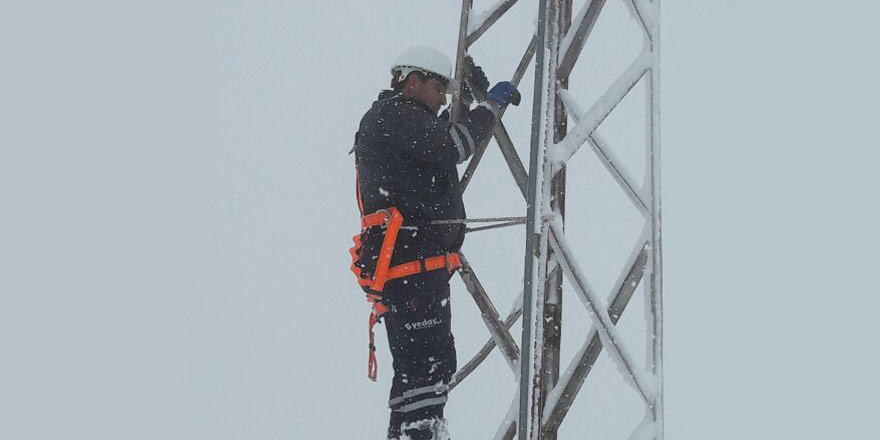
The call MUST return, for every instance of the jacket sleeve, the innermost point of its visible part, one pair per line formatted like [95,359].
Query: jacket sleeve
[435,140]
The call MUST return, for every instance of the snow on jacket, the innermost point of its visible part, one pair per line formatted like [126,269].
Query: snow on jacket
[406,158]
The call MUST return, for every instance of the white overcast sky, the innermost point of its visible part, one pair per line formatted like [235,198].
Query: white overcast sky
[176,206]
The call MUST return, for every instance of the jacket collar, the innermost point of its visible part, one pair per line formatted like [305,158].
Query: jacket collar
[385,94]
[388,94]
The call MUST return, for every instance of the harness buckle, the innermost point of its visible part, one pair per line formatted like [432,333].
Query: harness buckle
[387,217]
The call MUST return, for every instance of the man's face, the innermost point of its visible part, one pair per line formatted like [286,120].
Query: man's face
[431,92]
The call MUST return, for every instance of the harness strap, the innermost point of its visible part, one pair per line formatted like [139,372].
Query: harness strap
[395,220]
[379,309]
[377,218]
[391,220]
[449,262]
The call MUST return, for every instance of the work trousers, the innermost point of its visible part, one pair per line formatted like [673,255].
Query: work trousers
[423,350]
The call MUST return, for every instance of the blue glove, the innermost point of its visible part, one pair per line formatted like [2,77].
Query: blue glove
[505,93]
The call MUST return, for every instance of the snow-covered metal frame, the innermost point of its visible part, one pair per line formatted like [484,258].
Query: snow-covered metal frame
[544,397]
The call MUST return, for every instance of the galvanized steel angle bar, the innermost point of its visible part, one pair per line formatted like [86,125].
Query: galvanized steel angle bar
[491,18]
[499,131]
[524,61]
[458,106]
[591,120]
[487,348]
[490,315]
[514,163]
[537,229]
[655,279]
[595,307]
[649,21]
[572,44]
[563,395]
[646,14]
[600,148]
[498,331]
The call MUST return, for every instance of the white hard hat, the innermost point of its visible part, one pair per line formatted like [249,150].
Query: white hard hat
[426,60]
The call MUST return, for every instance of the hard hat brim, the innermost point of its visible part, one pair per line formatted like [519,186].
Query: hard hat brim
[452,86]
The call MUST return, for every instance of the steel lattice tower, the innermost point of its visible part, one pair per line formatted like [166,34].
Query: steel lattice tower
[545,395]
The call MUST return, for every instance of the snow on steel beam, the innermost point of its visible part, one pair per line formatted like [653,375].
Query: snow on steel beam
[608,334]
[487,348]
[573,43]
[562,151]
[490,315]
[605,154]
[522,181]
[655,280]
[559,400]
[600,147]
[562,257]
[483,21]
[529,423]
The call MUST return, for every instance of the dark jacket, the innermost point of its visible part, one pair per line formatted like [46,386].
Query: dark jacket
[406,158]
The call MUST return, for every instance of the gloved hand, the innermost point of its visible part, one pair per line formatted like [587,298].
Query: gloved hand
[505,93]
[478,78]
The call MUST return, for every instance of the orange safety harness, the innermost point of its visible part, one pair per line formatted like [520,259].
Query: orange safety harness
[390,220]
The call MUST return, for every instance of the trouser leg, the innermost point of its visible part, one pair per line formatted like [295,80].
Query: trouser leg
[423,350]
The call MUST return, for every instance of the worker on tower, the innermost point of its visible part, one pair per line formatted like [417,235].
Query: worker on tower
[406,158]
